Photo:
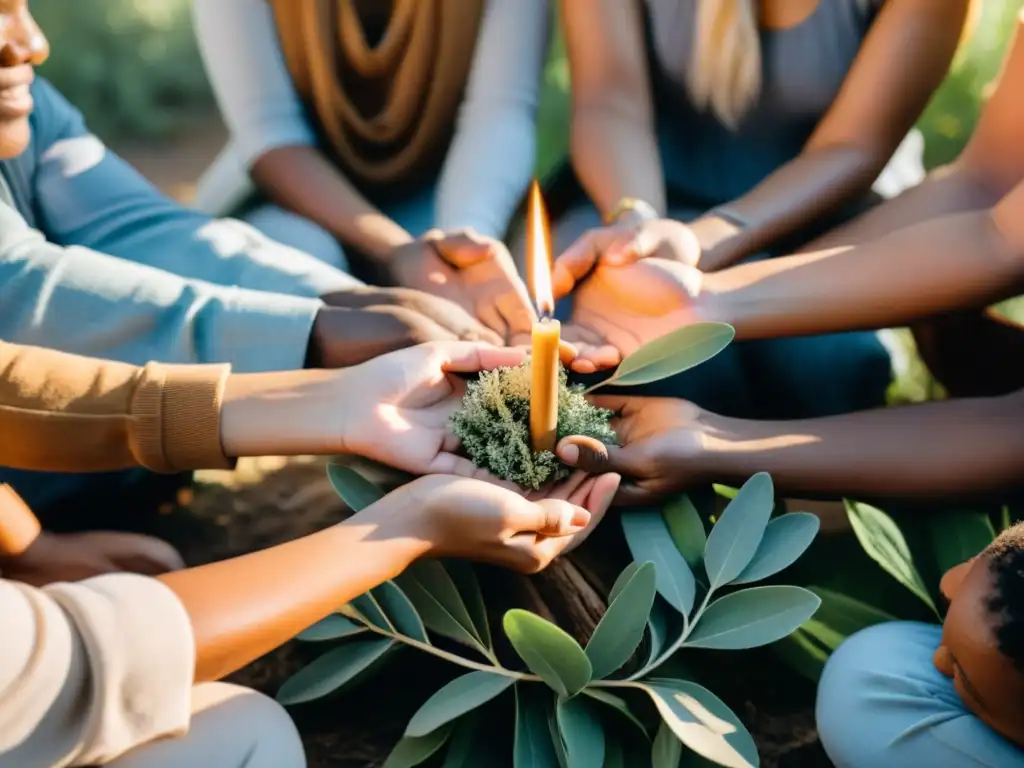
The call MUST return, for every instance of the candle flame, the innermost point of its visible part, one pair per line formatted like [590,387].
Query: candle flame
[538,252]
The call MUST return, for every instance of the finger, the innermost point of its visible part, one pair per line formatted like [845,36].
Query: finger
[552,517]
[490,316]
[473,357]
[600,500]
[601,357]
[463,250]
[628,250]
[567,352]
[634,495]
[566,489]
[593,457]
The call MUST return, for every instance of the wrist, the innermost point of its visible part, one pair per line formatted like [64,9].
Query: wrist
[286,413]
[401,522]
[717,234]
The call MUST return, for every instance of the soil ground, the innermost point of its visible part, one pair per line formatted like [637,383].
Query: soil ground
[268,501]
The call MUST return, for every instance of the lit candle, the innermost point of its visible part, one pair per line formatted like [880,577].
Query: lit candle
[546,332]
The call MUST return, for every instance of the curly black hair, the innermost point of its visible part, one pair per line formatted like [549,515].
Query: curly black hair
[1006,563]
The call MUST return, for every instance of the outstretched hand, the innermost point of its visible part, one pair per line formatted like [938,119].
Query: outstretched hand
[661,441]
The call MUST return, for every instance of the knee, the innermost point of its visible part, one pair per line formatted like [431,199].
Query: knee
[270,736]
[872,689]
[299,233]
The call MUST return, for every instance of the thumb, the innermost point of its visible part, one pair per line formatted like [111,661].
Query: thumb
[595,458]
[464,249]
[551,517]
[628,250]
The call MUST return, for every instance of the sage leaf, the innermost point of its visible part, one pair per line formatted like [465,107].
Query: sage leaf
[711,711]
[735,537]
[368,607]
[649,540]
[557,741]
[616,703]
[707,741]
[621,629]
[666,749]
[673,353]
[725,491]
[466,749]
[333,627]
[464,577]
[753,617]
[437,600]
[785,539]
[533,747]
[461,695]
[687,530]
[622,580]
[335,669]
[409,752]
[400,611]
[355,490]
[548,651]
[582,735]
[883,542]
[614,753]
[658,630]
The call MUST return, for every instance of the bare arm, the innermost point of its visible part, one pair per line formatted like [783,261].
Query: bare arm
[263,599]
[936,450]
[613,145]
[872,113]
[960,261]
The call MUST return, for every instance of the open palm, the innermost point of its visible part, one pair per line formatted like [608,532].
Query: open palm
[617,309]
[400,405]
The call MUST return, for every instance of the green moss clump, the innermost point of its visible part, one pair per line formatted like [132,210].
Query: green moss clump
[494,426]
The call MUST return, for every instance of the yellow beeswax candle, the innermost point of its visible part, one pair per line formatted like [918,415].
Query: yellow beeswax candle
[544,385]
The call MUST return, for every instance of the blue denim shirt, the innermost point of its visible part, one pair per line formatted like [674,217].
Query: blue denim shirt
[95,260]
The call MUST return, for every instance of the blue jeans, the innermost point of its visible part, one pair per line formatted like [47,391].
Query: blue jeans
[788,378]
[883,704]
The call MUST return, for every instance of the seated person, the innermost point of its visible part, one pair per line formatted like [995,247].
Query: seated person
[118,669]
[95,261]
[908,694]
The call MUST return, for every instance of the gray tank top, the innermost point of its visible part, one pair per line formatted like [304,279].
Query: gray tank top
[803,69]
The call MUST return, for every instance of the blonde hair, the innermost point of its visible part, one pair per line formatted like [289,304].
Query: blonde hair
[726,74]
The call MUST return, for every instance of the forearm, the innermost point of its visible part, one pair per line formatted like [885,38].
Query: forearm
[954,262]
[245,607]
[615,155]
[812,185]
[302,179]
[956,448]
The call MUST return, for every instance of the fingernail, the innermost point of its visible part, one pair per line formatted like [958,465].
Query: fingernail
[580,518]
[570,454]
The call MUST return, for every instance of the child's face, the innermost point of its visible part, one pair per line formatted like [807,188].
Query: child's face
[22,46]
[986,680]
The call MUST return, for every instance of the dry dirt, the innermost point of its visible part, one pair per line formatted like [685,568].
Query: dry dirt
[268,501]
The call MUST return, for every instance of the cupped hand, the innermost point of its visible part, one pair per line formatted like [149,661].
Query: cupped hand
[661,441]
[74,556]
[475,272]
[618,309]
[487,522]
[620,244]
[398,407]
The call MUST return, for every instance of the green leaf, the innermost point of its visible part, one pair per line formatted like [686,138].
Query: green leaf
[533,747]
[557,741]
[621,629]
[622,580]
[649,539]
[1006,519]
[436,598]
[548,651]
[956,537]
[333,627]
[667,749]
[753,617]
[464,577]
[355,490]
[466,748]
[461,695]
[705,736]
[658,626]
[785,539]
[610,699]
[581,732]
[332,671]
[400,611]
[409,752]
[368,607]
[707,708]
[614,753]
[882,540]
[687,530]
[673,353]
[736,536]
[725,491]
